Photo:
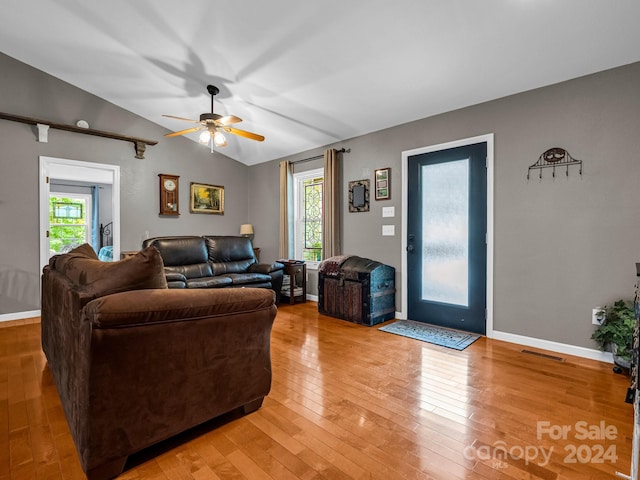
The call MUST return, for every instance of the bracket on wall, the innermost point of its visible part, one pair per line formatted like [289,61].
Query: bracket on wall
[140,144]
[554,158]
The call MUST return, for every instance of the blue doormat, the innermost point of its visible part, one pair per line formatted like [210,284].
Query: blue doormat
[444,337]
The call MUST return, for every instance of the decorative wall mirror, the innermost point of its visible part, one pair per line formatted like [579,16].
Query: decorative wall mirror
[359,196]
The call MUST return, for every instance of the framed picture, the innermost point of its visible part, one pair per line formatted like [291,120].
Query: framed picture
[206,198]
[359,196]
[383,184]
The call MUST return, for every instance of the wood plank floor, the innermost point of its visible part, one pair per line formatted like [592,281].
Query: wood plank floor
[351,402]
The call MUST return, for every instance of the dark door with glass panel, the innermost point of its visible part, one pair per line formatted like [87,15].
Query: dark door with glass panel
[446,238]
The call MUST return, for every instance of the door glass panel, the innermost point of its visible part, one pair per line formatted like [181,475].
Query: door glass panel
[445,232]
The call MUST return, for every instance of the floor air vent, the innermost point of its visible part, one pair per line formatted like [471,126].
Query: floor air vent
[543,355]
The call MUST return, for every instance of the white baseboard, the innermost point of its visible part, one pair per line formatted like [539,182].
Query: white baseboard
[558,347]
[565,348]
[7,317]
[313,298]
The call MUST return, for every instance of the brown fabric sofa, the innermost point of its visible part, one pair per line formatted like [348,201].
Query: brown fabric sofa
[135,363]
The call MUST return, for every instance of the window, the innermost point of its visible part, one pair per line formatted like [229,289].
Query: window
[308,188]
[69,221]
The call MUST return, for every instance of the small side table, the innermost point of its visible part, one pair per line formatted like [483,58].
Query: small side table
[297,289]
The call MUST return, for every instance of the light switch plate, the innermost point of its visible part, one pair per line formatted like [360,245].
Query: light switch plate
[388,211]
[388,230]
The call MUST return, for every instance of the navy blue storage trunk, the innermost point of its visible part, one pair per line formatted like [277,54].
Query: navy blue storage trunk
[358,290]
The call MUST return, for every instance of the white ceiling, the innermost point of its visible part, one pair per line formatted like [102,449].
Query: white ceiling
[307,74]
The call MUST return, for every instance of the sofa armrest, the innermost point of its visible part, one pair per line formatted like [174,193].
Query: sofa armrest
[153,306]
[265,267]
[175,277]
[175,280]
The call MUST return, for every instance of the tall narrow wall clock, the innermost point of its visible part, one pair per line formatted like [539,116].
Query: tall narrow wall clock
[169,197]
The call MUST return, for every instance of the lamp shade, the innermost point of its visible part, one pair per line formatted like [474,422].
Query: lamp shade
[246,229]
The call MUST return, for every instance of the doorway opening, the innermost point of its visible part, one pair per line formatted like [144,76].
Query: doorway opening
[88,197]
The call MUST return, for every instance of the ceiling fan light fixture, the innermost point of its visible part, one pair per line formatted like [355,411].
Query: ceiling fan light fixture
[205,136]
[211,124]
[219,140]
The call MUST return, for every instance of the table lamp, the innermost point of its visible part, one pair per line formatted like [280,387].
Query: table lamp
[246,230]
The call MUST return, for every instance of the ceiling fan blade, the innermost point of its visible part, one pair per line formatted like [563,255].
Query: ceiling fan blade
[181,118]
[244,133]
[182,132]
[228,120]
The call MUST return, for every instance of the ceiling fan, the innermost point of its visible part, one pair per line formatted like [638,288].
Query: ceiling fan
[213,125]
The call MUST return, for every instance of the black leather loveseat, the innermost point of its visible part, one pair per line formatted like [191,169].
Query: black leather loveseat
[215,262]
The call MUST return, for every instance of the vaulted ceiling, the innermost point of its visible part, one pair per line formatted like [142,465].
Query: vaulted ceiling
[306,74]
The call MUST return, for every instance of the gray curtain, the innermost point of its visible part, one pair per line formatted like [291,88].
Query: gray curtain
[285,249]
[331,205]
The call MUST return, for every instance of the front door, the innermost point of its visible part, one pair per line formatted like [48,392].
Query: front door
[446,238]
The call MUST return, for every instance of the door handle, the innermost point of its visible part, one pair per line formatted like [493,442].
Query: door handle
[410,248]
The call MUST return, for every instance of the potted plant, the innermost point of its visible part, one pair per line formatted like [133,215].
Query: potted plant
[615,333]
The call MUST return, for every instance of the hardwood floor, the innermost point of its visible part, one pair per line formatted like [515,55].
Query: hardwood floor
[351,402]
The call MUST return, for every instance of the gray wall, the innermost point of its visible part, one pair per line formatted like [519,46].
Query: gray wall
[562,247]
[31,93]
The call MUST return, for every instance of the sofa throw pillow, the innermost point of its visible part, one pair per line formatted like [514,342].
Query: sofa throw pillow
[96,279]
[59,262]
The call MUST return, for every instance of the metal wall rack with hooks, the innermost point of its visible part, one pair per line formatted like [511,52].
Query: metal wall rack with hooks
[555,158]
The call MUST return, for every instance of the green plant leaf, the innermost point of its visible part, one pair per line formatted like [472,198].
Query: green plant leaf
[617,328]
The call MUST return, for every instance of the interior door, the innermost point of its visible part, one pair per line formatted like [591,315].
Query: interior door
[446,237]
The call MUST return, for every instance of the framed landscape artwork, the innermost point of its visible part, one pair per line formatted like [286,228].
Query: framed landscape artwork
[383,184]
[206,198]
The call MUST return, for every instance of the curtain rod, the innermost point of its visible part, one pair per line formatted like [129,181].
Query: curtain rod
[56,184]
[342,150]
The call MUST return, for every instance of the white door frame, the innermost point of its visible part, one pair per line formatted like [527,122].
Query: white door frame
[65,169]
[488,139]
